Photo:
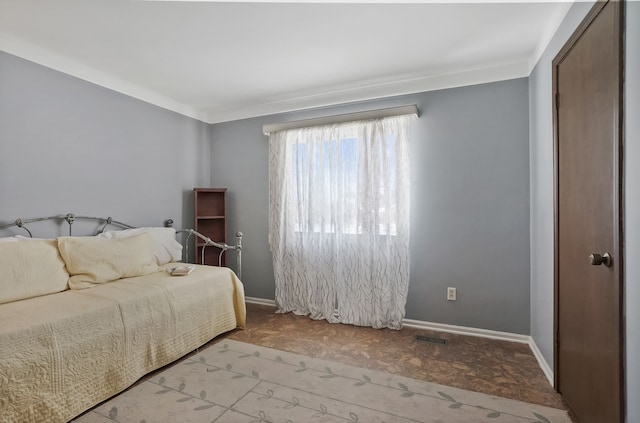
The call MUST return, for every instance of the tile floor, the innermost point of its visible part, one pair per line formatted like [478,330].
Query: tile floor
[501,368]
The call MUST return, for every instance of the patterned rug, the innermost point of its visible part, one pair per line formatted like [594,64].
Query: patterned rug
[234,382]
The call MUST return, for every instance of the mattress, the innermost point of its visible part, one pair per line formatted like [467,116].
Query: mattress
[63,353]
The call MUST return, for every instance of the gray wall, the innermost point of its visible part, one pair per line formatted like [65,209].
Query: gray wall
[470,201]
[632,211]
[67,145]
[541,153]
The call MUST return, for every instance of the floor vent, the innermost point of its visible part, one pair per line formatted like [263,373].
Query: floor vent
[431,340]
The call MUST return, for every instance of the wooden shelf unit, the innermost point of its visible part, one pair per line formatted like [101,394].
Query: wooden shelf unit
[210,221]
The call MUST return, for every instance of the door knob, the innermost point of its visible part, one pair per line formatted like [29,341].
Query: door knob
[597,259]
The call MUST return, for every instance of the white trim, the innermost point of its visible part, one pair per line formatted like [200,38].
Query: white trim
[441,327]
[550,31]
[347,117]
[260,301]
[57,62]
[490,334]
[464,330]
[546,369]
[303,100]
[461,330]
[366,90]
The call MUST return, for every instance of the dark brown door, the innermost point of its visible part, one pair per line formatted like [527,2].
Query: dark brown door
[588,285]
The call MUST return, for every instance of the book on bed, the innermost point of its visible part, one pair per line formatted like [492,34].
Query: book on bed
[180,270]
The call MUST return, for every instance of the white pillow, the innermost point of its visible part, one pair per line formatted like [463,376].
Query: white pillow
[165,247]
[94,260]
[30,269]
[9,239]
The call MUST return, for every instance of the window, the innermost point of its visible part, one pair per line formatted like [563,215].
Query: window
[339,158]
[339,220]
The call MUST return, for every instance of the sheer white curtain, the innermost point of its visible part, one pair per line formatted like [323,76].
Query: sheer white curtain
[339,221]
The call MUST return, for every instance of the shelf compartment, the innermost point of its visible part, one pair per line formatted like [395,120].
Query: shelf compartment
[210,202]
[210,221]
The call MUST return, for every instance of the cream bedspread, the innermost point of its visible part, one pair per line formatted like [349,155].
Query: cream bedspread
[61,354]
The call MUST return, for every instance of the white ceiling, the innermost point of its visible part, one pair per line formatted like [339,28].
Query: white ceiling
[227,60]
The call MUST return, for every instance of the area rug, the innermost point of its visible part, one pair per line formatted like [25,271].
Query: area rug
[235,382]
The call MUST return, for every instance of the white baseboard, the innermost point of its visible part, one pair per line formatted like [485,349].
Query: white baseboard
[460,330]
[464,330]
[261,301]
[546,369]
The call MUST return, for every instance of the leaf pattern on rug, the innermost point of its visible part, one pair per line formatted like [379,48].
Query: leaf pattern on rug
[203,407]
[446,396]
[455,404]
[268,396]
[329,374]
[541,419]
[365,379]
[262,418]
[303,389]
[323,411]
[292,404]
[303,367]
[407,393]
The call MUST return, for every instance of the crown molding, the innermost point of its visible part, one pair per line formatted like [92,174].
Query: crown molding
[28,51]
[549,32]
[320,97]
[370,90]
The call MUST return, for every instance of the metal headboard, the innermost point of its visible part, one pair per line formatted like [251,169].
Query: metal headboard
[71,218]
[210,243]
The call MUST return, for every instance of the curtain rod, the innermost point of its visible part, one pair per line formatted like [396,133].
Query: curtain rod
[348,117]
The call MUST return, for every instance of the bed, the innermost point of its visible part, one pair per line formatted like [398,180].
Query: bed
[63,352]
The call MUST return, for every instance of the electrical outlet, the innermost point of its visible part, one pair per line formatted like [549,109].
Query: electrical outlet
[451,294]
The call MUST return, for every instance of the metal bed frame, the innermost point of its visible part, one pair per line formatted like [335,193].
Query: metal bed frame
[71,218]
